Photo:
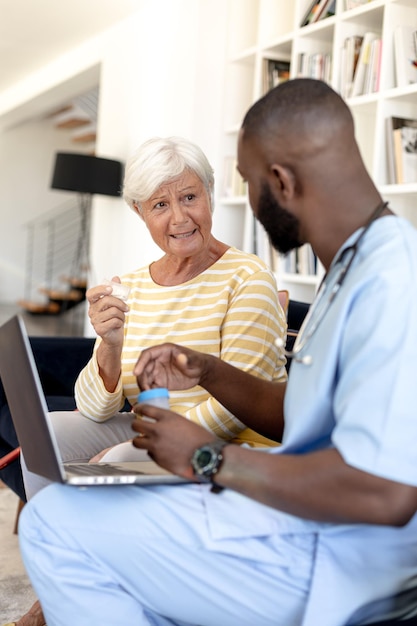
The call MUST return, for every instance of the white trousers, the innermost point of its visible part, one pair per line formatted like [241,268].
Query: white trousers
[80,438]
[133,556]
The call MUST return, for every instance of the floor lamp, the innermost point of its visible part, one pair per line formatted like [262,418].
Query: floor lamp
[86,175]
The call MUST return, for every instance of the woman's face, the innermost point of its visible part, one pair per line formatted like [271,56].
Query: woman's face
[178,216]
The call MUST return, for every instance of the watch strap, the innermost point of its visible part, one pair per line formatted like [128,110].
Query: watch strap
[215,488]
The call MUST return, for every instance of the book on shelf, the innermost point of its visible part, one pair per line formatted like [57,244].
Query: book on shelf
[309,14]
[274,72]
[326,8]
[348,62]
[373,69]
[405,147]
[389,141]
[401,150]
[301,261]
[233,183]
[316,65]
[405,55]
[363,67]
[318,10]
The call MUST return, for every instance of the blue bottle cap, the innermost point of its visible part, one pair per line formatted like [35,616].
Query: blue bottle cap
[150,394]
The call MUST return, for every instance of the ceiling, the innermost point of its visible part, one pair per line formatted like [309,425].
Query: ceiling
[34,32]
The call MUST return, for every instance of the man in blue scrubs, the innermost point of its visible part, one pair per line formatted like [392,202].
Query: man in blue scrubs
[321,531]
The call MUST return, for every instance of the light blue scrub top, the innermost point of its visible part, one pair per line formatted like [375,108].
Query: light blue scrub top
[359,395]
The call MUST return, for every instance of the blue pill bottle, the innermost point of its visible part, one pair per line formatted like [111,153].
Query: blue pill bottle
[159,396]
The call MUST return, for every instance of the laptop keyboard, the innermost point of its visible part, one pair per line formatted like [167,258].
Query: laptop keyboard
[99,469]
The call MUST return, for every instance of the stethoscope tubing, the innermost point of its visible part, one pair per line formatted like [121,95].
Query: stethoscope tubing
[305,334]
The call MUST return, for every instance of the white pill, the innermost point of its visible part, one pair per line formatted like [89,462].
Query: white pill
[119,290]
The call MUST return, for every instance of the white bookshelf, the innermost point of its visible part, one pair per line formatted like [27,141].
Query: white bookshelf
[271,29]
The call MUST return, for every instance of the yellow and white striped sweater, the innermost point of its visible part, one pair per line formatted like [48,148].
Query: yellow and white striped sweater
[231,310]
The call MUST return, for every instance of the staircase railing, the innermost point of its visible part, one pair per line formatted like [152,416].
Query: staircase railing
[57,256]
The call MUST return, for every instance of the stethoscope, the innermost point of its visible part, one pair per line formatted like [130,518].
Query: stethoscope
[328,290]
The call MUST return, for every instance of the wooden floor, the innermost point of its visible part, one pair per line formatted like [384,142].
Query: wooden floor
[68,324]
[16,593]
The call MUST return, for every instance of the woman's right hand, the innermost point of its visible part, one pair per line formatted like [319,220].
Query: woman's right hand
[107,313]
[171,366]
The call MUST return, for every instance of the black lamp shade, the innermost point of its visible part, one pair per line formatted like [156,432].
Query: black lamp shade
[87,174]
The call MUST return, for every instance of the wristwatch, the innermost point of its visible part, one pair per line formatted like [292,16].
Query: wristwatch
[206,462]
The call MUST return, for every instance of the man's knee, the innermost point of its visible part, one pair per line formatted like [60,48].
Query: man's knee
[47,506]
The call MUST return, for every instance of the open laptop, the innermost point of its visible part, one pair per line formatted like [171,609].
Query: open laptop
[29,412]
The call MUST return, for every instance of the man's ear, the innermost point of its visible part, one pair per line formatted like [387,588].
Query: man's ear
[283,181]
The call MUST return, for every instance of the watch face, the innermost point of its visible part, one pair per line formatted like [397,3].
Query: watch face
[204,457]
[207,459]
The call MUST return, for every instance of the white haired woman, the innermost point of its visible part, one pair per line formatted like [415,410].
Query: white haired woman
[200,293]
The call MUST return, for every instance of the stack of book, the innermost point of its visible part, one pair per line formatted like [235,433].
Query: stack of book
[401,150]
[316,65]
[274,72]
[405,50]
[318,10]
[301,261]
[360,65]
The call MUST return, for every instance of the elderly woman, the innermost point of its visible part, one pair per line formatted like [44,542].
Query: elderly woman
[201,293]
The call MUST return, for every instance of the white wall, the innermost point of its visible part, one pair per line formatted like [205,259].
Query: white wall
[161,73]
[172,85]
[26,165]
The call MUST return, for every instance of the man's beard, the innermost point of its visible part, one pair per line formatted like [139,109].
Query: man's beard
[281,227]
